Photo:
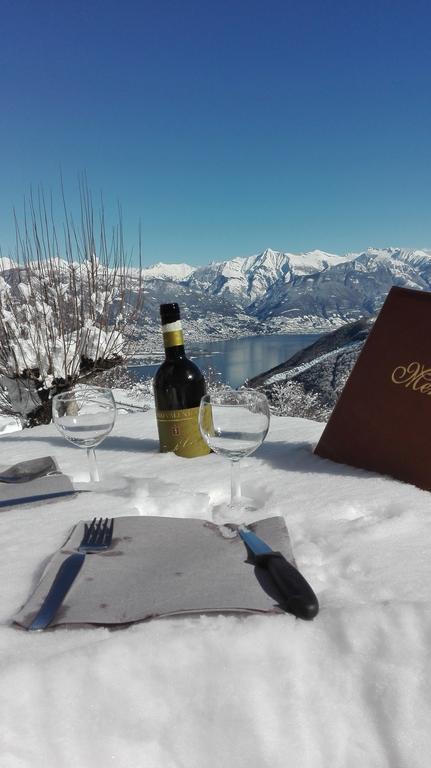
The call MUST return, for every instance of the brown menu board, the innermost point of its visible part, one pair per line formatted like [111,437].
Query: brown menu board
[382,419]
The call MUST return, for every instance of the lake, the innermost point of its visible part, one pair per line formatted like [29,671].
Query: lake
[239,359]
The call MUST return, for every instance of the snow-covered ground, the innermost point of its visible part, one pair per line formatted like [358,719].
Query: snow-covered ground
[9,424]
[348,690]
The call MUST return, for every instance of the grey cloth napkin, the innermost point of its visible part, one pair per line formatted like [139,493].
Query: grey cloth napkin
[29,469]
[40,489]
[163,566]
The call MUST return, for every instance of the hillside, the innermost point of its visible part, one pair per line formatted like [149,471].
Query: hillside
[310,382]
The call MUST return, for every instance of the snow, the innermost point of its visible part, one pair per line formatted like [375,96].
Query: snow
[9,424]
[168,271]
[39,344]
[348,690]
[290,373]
[6,263]
[316,261]
[252,276]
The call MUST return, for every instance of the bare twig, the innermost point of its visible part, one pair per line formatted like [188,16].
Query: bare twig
[68,310]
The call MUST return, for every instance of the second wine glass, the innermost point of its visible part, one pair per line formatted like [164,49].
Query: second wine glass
[85,415]
[234,423]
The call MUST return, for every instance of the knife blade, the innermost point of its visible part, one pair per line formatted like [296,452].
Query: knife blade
[64,579]
[41,497]
[299,597]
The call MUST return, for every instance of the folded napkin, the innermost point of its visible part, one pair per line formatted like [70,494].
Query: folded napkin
[40,488]
[161,566]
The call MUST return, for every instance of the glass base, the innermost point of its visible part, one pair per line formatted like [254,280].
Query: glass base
[233,513]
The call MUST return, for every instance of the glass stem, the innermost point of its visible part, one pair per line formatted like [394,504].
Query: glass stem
[235,483]
[92,465]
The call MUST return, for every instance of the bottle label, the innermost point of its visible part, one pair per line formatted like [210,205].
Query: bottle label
[179,432]
[173,334]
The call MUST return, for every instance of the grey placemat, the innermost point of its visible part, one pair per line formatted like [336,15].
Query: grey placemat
[161,566]
[40,490]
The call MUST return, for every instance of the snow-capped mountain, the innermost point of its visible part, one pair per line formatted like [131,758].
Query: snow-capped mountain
[345,291]
[250,278]
[6,263]
[161,271]
[273,291]
[289,292]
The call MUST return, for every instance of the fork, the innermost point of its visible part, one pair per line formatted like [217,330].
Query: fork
[97,537]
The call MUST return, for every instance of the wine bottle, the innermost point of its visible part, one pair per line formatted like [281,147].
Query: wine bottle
[178,388]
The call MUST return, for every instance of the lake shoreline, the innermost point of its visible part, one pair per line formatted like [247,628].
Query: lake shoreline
[154,357]
[233,361]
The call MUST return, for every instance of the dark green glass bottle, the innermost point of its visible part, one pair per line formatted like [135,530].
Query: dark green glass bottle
[178,388]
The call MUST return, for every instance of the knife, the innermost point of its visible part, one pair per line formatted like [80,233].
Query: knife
[299,598]
[64,579]
[40,497]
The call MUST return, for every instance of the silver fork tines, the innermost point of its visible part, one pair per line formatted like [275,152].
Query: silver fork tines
[97,535]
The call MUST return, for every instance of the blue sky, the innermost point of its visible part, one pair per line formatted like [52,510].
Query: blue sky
[224,127]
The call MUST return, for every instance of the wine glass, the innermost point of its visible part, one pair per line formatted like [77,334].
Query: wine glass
[234,423]
[85,415]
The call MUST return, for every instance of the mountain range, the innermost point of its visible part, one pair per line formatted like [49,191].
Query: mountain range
[291,292]
[276,292]
[272,291]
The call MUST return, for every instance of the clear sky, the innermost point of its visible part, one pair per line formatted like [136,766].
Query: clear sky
[225,126]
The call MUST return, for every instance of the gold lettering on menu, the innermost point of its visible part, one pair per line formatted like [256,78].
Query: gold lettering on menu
[413,376]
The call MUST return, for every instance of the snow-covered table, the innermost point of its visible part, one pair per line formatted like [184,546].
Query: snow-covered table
[348,690]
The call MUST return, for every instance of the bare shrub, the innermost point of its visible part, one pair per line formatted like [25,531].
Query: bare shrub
[289,398]
[213,380]
[136,393]
[68,307]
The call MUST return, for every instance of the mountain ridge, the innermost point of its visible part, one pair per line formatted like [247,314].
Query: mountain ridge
[313,290]
[272,291]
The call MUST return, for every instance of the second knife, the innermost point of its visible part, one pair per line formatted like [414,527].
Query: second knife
[298,597]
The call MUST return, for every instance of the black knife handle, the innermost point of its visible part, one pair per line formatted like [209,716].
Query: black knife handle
[299,598]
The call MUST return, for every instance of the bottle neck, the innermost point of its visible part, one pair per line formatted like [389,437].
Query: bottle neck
[174,353]
[173,340]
